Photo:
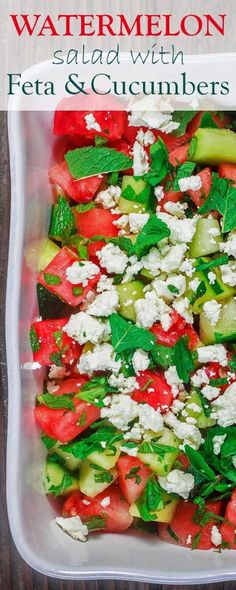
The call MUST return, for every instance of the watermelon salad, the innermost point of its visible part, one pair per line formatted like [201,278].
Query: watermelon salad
[137,326]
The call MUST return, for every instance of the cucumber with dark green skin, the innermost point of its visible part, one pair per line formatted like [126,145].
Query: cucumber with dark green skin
[213,146]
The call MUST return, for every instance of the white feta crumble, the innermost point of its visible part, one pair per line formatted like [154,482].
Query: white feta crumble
[210,392]
[152,261]
[174,286]
[32,366]
[177,406]
[194,284]
[182,306]
[189,540]
[81,271]
[218,441]
[104,304]
[213,233]
[177,482]
[228,273]
[195,408]
[112,259]
[131,451]
[122,222]
[172,378]
[159,193]
[212,311]
[122,383]
[140,361]
[176,209]
[84,328]
[137,221]
[149,418]
[73,526]
[173,259]
[145,137]
[153,113]
[224,407]
[101,358]
[134,266]
[229,247]
[109,197]
[211,277]
[188,433]
[200,378]
[187,267]
[182,230]
[91,122]
[105,502]
[193,183]
[56,372]
[105,284]
[216,537]
[146,313]
[140,159]
[121,410]
[213,353]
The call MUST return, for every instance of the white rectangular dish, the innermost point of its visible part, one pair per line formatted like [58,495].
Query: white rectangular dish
[39,541]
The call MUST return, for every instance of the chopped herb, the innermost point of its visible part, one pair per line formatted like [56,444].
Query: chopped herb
[200,291]
[95,522]
[82,448]
[100,141]
[133,474]
[56,401]
[152,232]
[172,534]
[196,540]
[150,500]
[224,259]
[34,340]
[197,460]
[77,291]
[95,390]
[173,289]
[163,356]
[48,441]
[84,207]
[208,121]
[183,171]
[113,179]
[127,336]
[158,449]
[183,360]
[65,483]
[58,335]
[91,161]
[56,359]
[218,382]
[62,223]
[51,279]
[222,198]
[183,118]
[82,419]
[160,165]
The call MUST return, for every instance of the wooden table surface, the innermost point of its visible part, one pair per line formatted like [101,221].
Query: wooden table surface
[14,573]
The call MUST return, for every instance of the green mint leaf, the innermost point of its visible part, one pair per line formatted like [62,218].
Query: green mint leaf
[58,336]
[91,161]
[56,359]
[220,261]
[78,242]
[48,441]
[183,118]
[102,476]
[163,356]
[173,289]
[205,404]
[150,500]
[192,148]
[172,534]
[65,483]
[56,401]
[51,279]
[127,336]
[208,121]
[200,291]
[183,171]
[158,449]
[160,165]
[133,474]
[222,198]
[100,141]
[95,390]
[152,232]
[183,360]
[197,460]
[95,523]
[62,220]
[229,215]
[196,540]
[113,179]
[77,291]
[83,448]
[218,382]
[34,340]
[83,207]
[145,197]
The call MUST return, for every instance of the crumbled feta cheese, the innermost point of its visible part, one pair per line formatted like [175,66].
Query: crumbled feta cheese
[229,247]
[210,392]
[159,193]
[178,282]
[122,222]
[104,304]
[176,209]
[199,378]
[109,197]
[193,183]
[81,271]
[52,387]
[189,540]
[211,278]
[134,266]
[32,366]
[173,259]
[135,433]
[105,502]
[131,451]
[112,259]
[146,113]
[91,122]
[56,372]
[84,328]
[121,411]
[182,230]
[137,221]
[187,267]
[188,433]
[152,261]
[212,311]
[149,418]
[177,482]
[140,361]
[182,306]
[213,233]
[105,284]
[194,284]
[194,408]
[177,406]
[172,378]
[101,358]
[140,159]
[213,353]
[122,383]
[145,137]
[73,526]
[224,407]
[146,313]
[218,441]
[228,273]
[216,537]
